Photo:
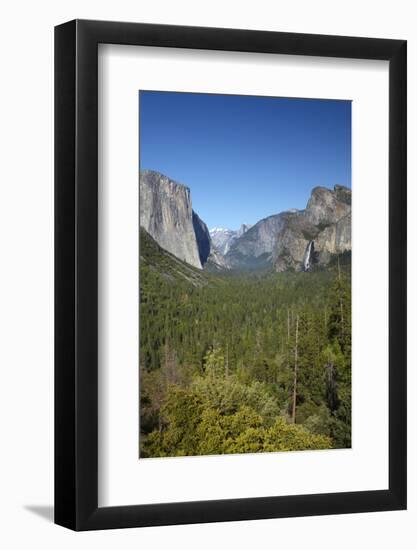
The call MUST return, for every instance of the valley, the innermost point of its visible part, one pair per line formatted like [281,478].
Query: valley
[278,242]
[245,245]
[236,361]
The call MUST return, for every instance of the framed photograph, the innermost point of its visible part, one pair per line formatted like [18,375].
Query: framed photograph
[230,255]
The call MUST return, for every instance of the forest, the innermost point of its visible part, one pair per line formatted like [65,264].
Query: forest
[242,362]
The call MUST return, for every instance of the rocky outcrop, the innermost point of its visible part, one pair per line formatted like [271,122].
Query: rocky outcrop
[292,240]
[210,257]
[298,239]
[223,238]
[168,266]
[203,238]
[242,229]
[323,228]
[334,239]
[216,262]
[166,214]
[254,248]
[326,207]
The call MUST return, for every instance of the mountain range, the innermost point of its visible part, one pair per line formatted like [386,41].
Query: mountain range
[223,238]
[299,240]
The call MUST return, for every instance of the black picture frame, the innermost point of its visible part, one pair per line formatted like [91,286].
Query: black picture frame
[76,272]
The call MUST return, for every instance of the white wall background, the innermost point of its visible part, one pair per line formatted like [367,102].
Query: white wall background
[26,273]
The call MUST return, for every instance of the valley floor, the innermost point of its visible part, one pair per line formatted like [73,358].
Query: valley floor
[242,362]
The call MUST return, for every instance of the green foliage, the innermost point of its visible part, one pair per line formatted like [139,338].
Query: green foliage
[217,356]
[209,418]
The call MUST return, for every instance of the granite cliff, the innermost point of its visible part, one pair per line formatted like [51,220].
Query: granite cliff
[166,213]
[297,239]
[253,249]
[292,240]
[313,236]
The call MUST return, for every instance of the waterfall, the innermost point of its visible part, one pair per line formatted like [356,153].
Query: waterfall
[308,256]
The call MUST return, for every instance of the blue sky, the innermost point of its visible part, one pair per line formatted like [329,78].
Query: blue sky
[244,157]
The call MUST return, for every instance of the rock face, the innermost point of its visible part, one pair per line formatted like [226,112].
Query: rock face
[166,214]
[297,239]
[242,229]
[216,262]
[203,238]
[254,248]
[292,240]
[335,239]
[314,235]
[167,265]
[223,238]
[326,207]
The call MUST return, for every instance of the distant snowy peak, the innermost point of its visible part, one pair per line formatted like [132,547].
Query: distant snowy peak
[226,231]
[218,230]
[223,238]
